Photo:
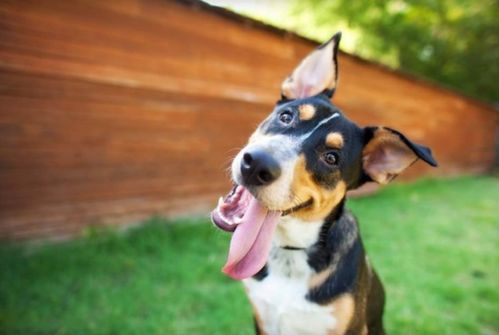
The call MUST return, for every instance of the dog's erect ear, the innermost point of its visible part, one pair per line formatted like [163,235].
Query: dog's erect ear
[387,153]
[317,73]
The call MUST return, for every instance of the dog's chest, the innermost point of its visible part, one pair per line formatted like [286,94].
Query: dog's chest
[280,298]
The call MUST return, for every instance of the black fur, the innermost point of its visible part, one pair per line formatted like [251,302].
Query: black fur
[341,249]
[260,275]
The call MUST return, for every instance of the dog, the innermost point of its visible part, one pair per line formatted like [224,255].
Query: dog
[295,246]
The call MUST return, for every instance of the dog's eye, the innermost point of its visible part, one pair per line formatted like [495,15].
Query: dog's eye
[330,157]
[286,117]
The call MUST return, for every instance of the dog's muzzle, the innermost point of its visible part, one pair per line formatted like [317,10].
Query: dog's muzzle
[259,168]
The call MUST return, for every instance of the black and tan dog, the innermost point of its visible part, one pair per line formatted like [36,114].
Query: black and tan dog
[295,246]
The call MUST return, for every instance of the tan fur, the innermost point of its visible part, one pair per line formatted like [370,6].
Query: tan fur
[304,188]
[259,322]
[390,145]
[287,88]
[334,140]
[307,112]
[319,278]
[344,307]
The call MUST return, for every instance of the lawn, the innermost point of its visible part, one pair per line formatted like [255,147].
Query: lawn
[434,243]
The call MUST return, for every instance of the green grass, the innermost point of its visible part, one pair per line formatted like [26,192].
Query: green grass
[434,243]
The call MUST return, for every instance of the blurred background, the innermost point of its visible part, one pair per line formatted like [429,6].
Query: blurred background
[126,113]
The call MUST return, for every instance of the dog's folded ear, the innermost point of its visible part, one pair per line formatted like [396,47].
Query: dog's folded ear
[387,153]
[317,73]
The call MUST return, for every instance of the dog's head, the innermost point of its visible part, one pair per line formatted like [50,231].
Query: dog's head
[302,160]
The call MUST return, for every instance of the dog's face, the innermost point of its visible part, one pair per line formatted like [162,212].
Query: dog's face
[302,158]
[306,155]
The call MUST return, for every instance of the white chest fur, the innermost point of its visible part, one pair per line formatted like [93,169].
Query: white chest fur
[280,299]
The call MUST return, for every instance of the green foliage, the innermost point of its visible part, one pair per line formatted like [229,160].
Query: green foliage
[434,244]
[454,42]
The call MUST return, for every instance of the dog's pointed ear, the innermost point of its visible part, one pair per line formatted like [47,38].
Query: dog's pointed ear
[387,153]
[317,73]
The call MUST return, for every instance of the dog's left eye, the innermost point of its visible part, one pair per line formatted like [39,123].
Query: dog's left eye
[286,117]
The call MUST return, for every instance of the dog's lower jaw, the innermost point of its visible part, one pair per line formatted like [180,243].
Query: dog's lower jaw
[299,207]
[295,233]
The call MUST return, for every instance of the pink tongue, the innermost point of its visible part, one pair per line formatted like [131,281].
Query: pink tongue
[251,242]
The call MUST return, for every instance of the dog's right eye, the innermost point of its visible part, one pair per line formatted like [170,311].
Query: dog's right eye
[286,117]
[331,158]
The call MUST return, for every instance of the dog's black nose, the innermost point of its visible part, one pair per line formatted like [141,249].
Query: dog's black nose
[259,168]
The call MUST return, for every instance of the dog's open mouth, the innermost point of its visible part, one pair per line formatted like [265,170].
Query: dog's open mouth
[253,226]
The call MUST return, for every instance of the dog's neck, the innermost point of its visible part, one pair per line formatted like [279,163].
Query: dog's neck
[304,248]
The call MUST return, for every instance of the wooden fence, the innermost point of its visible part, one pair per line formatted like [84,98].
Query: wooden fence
[112,111]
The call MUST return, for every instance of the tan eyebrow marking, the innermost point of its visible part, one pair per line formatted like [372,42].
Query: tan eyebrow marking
[307,112]
[334,140]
